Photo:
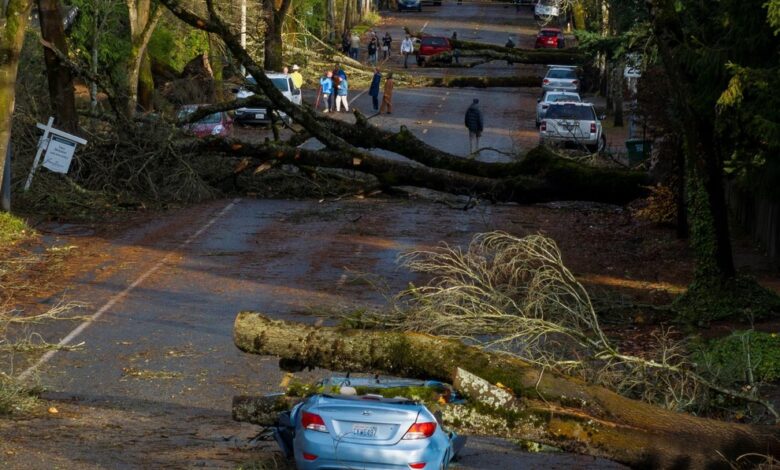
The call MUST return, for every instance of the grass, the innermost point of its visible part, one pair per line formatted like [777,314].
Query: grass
[14,397]
[13,229]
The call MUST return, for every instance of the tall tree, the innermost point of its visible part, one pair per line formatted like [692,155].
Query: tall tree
[61,93]
[275,12]
[13,22]
[698,44]
[143,16]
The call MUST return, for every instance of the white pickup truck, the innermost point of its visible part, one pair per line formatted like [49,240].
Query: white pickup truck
[263,115]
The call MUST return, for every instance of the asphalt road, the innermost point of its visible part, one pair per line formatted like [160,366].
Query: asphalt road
[151,385]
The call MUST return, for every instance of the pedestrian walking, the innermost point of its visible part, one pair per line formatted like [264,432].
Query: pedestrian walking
[387,96]
[354,46]
[373,90]
[341,96]
[326,88]
[296,76]
[373,47]
[407,47]
[509,45]
[475,125]
[345,42]
[387,43]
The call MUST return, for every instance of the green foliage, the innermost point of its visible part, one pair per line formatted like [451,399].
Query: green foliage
[102,23]
[15,398]
[175,43]
[741,298]
[743,357]
[13,229]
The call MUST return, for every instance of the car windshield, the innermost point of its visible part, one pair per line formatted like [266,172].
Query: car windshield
[547,2]
[553,97]
[548,33]
[438,42]
[571,111]
[210,119]
[561,73]
[280,83]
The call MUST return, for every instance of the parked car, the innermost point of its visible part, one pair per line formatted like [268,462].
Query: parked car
[430,46]
[410,5]
[549,97]
[572,124]
[369,431]
[217,124]
[550,38]
[546,9]
[262,115]
[561,77]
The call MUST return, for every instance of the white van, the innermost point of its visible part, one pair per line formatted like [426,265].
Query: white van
[263,115]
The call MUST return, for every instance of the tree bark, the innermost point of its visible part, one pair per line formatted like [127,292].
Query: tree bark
[143,19]
[708,213]
[547,407]
[272,43]
[61,93]
[12,30]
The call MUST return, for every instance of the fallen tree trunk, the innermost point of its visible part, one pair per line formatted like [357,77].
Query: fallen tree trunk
[541,177]
[526,81]
[550,408]
[562,178]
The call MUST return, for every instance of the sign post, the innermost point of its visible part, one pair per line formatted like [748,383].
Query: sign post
[59,146]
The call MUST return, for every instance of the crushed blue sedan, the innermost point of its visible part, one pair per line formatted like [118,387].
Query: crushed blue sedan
[349,430]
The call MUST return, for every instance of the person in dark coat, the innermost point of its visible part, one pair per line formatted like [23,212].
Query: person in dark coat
[475,125]
[373,90]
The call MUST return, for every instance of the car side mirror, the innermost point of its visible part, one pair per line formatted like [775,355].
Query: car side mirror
[538,100]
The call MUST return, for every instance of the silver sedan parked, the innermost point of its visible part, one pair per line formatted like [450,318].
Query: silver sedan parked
[561,77]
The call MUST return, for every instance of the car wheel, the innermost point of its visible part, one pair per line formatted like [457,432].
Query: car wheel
[419,9]
[602,145]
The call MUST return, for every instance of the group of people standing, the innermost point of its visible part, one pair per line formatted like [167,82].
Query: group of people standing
[350,45]
[334,90]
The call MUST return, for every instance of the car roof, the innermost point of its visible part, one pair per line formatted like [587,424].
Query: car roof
[556,30]
[576,103]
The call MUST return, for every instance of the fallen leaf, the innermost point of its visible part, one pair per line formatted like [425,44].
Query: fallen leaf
[53,410]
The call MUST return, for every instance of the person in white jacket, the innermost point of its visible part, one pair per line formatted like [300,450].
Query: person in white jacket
[407,47]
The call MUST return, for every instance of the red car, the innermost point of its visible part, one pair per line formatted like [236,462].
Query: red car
[430,46]
[550,38]
[217,124]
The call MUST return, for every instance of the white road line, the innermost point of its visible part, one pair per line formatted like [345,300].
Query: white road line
[111,302]
[358,96]
[423,28]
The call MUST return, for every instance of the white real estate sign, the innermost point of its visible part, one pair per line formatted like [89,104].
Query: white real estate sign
[59,154]
[59,146]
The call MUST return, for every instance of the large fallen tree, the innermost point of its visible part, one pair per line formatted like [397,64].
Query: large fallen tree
[536,405]
[530,180]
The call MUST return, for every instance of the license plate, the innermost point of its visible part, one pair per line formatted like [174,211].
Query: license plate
[362,430]
[259,116]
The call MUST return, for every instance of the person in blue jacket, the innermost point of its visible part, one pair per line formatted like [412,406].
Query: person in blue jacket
[373,90]
[326,88]
[341,96]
